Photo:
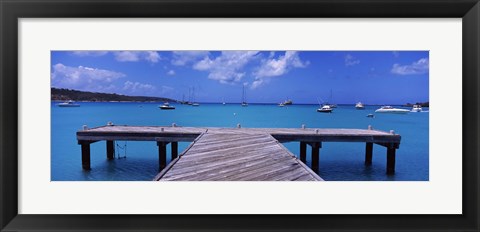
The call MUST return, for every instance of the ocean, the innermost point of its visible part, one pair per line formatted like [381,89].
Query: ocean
[138,161]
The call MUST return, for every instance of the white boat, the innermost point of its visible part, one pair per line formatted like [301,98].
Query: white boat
[281,105]
[325,109]
[68,104]
[330,100]
[417,108]
[244,98]
[167,106]
[359,106]
[391,110]
[193,103]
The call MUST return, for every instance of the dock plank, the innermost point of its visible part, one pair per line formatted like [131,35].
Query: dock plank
[246,154]
[222,154]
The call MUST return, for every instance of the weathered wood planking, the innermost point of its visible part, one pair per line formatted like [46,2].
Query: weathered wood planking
[237,157]
[155,133]
[237,153]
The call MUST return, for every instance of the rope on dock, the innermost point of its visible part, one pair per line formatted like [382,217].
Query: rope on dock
[124,148]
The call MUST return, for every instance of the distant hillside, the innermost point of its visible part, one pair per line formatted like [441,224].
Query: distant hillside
[75,95]
[422,104]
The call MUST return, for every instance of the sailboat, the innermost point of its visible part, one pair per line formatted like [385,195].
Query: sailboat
[193,96]
[325,108]
[183,102]
[330,100]
[244,101]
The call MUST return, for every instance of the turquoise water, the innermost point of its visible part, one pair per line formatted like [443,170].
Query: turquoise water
[338,161]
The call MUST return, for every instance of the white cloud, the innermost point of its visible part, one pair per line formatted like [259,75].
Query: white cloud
[181,58]
[171,73]
[272,67]
[134,56]
[226,68]
[89,53]
[138,88]
[151,56]
[350,60]
[418,67]
[84,78]
[277,67]
[257,83]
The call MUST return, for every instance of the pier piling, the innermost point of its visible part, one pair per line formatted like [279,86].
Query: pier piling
[174,146]
[368,154]
[110,150]
[162,155]
[315,155]
[390,160]
[303,152]
[85,154]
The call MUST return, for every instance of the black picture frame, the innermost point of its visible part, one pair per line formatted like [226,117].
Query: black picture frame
[11,11]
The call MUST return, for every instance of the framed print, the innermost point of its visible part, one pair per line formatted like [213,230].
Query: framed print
[274,115]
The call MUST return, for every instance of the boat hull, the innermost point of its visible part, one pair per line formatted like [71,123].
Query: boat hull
[324,111]
[70,105]
[392,111]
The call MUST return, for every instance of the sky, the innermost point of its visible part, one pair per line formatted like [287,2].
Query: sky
[306,77]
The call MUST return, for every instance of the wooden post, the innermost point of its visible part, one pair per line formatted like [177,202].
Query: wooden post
[368,154]
[390,160]
[85,155]
[162,155]
[315,155]
[303,152]
[110,150]
[174,147]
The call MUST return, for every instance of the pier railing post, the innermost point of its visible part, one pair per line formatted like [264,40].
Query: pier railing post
[303,152]
[368,154]
[110,150]
[85,154]
[174,147]
[315,155]
[162,155]
[391,160]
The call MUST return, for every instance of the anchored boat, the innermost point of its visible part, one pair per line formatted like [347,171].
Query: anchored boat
[68,104]
[167,106]
[391,110]
[359,106]
[417,108]
[325,109]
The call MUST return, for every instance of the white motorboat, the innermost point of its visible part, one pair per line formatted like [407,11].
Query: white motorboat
[359,106]
[325,109]
[417,108]
[166,106]
[281,105]
[391,110]
[68,104]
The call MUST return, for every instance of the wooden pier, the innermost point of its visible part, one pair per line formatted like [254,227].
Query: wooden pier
[237,153]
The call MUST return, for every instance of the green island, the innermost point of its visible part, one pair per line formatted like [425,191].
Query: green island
[58,94]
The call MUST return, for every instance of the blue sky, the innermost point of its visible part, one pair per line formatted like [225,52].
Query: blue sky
[372,77]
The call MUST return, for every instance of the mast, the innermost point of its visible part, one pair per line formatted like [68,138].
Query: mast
[244,98]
